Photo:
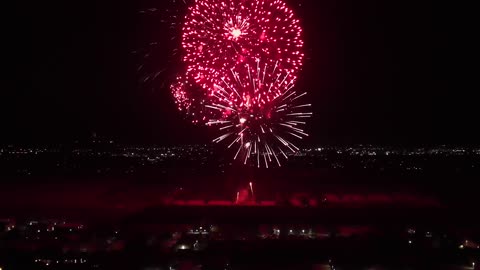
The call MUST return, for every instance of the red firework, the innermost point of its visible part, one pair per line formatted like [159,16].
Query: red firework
[218,35]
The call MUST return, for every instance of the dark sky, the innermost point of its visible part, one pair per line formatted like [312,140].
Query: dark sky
[388,72]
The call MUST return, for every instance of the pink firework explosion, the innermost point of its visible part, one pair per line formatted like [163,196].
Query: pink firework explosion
[261,113]
[218,35]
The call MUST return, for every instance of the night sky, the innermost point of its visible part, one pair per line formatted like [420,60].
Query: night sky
[382,72]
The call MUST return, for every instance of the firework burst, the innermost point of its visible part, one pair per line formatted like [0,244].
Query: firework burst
[218,35]
[260,113]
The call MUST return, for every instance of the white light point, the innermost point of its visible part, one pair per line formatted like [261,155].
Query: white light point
[236,33]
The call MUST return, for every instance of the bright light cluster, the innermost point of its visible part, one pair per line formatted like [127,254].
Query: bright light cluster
[242,58]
